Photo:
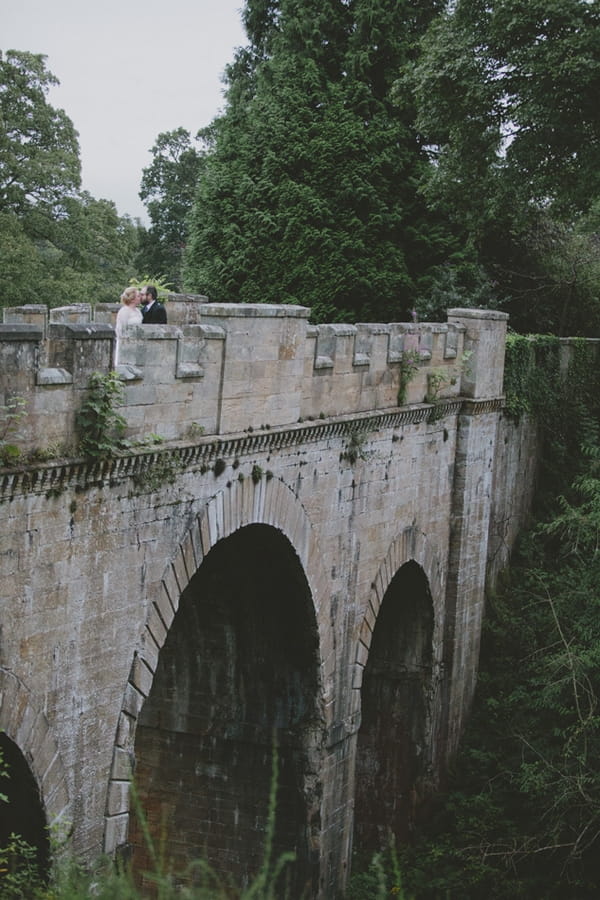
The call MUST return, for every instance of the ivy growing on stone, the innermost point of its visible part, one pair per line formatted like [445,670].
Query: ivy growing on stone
[408,367]
[100,427]
[10,415]
[561,394]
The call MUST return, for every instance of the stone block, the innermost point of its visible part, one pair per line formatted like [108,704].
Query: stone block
[118,798]
[484,341]
[141,676]
[123,765]
[115,834]
[156,626]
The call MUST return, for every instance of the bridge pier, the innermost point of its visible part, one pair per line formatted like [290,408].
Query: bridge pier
[477,431]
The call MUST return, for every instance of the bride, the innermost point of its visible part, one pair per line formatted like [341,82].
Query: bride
[129,314]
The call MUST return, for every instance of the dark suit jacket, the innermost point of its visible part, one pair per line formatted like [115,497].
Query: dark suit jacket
[156,315]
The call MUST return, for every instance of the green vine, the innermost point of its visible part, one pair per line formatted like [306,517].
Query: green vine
[408,367]
[100,427]
[561,396]
[531,373]
[10,416]
[436,380]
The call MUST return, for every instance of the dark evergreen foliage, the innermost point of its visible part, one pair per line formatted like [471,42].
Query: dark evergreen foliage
[311,192]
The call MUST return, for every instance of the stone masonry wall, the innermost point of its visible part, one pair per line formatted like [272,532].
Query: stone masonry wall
[93,565]
[303,435]
[235,367]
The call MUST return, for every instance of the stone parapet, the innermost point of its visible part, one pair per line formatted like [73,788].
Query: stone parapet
[484,346]
[221,368]
[30,314]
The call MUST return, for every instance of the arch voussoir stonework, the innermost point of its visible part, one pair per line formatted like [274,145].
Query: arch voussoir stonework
[23,721]
[410,545]
[267,501]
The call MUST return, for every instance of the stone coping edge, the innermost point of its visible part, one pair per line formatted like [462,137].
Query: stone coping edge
[52,478]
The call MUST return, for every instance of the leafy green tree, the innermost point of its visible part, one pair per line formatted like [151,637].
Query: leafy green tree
[507,95]
[57,245]
[557,284]
[311,188]
[87,255]
[39,151]
[96,249]
[21,264]
[167,189]
[507,101]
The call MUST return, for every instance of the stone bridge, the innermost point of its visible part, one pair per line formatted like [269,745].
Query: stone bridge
[298,564]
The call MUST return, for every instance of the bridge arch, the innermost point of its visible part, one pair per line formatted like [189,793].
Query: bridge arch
[230,528]
[37,785]
[397,681]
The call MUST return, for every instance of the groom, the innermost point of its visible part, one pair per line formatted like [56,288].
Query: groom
[153,312]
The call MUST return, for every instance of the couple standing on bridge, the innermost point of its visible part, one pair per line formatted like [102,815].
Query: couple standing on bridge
[152,312]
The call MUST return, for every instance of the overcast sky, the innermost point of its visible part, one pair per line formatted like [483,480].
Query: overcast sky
[128,70]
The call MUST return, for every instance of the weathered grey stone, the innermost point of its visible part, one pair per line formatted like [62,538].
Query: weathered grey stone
[99,562]
[54,376]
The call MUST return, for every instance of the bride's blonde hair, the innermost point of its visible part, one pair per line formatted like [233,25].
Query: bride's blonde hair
[128,295]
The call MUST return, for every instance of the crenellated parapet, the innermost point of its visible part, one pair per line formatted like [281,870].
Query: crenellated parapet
[225,368]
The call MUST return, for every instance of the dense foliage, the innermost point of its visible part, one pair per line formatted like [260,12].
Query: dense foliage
[311,188]
[168,187]
[507,91]
[39,153]
[57,245]
[521,817]
[506,94]
[379,158]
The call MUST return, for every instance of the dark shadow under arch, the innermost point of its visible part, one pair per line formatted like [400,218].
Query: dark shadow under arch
[393,752]
[23,814]
[239,665]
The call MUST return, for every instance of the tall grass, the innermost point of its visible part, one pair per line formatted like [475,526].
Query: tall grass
[377,879]
[69,879]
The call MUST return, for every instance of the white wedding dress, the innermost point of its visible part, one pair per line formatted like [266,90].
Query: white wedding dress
[127,315]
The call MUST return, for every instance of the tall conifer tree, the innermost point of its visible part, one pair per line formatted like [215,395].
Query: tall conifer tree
[310,193]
